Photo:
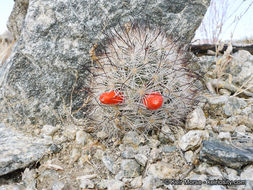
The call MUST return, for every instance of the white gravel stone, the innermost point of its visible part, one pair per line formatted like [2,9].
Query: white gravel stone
[214,171]
[141,159]
[247,173]
[130,168]
[49,130]
[75,154]
[81,137]
[192,139]
[102,135]
[109,164]
[241,129]
[188,156]
[232,174]
[162,170]
[132,138]
[115,185]
[85,183]
[196,119]
[136,182]
[58,185]
[224,135]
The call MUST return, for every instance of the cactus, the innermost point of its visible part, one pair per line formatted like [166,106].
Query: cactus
[136,65]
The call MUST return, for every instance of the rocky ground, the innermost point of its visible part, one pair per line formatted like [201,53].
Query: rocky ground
[215,144]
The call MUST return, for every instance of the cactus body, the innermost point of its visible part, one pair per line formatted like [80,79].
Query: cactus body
[138,62]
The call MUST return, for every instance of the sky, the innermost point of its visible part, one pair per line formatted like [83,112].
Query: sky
[5,10]
[244,27]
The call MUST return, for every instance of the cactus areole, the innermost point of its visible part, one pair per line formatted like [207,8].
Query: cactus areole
[153,101]
[112,97]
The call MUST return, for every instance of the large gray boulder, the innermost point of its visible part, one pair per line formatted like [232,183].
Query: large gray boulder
[48,66]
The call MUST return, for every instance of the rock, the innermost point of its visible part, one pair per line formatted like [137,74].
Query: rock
[58,185]
[18,150]
[196,119]
[52,53]
[17,17]
[188,156]
[75,154]
[155,155]
[49,130]
[82,138]
[120,175]
[109,164]
[29,179]
[129,152]
[167,148]
[233,106]
[141,159]
[70,132]
[241,129]
[162,170]
[201,168]
[99,154]
[102,135]
[166,135]
[214,171]
[241,68]
[85,183]
[224,135]
[132,138]
[145,150]
[247,173]
[215,152]
[153,143]
[231,174]
[217,100]
[12,187]
[192,139]
[150,183]
[136,182]
[115,185]
[130,168]
[225,92]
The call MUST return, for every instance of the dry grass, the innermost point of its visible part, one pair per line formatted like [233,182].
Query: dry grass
[6,45]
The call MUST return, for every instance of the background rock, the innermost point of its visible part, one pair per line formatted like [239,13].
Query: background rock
[53,47]
[17,17]
[18,150]
[215,152]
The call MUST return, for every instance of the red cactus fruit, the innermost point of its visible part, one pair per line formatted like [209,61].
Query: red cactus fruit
[112,97]
[153,101]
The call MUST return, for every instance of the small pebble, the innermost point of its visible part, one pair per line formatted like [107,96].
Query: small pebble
[136,182]
[141,159]
[130,168]
[196,119]
[109,164]
[188,156]
[192,139]
[224,135]
[49,130]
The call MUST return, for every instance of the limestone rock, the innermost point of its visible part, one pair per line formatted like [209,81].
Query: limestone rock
[196,119]
[18,150]
[130,168]
[162,170]
[192,139]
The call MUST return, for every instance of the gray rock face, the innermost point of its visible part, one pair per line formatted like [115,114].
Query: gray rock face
[53,50]
[17,17]
[18,150]
[221,153]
